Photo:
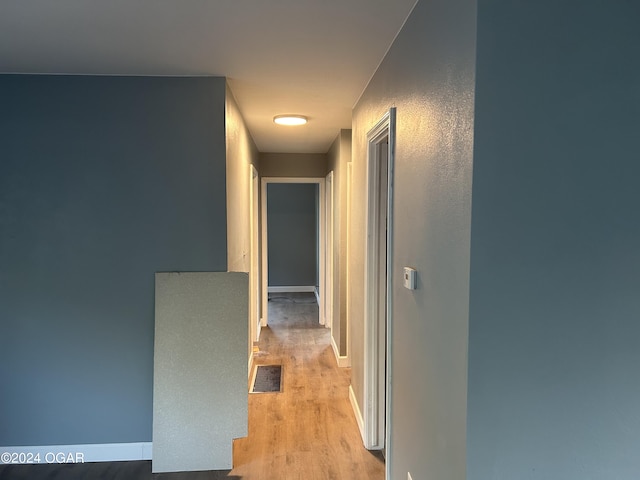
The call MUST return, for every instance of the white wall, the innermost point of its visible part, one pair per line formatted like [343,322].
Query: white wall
[428,75]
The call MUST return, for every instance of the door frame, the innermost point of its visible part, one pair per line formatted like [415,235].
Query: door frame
[265,247]
[377,385]
[255,290]
[347,262]
[329,251]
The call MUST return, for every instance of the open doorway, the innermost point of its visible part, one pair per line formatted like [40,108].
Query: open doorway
[378,280]
[319,284]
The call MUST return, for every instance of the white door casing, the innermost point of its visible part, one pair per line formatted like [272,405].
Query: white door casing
[265,247]
[254,275]
[378,281]
[329,252]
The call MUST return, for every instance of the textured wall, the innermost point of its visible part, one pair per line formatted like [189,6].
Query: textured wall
[555,265]
[103,182]
[200,396]
[241,152]
[428,74]
[292,232]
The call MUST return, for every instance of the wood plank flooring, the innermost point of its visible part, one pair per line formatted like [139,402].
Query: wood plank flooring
[306,432]
[309,430]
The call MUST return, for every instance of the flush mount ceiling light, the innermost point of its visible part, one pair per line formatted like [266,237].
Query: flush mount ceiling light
[290,119]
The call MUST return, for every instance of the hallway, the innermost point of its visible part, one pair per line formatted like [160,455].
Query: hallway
[309,430]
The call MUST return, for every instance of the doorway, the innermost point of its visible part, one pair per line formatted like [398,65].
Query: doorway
[321,250]
[378,280]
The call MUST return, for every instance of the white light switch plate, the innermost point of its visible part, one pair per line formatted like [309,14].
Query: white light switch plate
[410,279]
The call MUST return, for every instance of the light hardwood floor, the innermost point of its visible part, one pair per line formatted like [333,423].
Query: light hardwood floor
[309,430]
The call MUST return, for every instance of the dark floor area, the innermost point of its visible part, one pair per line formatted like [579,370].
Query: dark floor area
[140,470]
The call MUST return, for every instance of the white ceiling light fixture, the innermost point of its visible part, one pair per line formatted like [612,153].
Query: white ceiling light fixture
[290,120]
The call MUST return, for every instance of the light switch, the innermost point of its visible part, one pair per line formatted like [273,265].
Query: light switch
[410,278]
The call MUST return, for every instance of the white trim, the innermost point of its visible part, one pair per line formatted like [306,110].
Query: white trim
[376,415]
[347,260]
[265,263]
[263,244]
[105,452]
[342,360]
[356,410]
[252,377]
[254,260]
[389,360]
[329,253]
[292,289]
[252,361]
[315,290]
[322,261]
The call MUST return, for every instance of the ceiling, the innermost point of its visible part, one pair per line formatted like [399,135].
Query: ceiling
[311,57]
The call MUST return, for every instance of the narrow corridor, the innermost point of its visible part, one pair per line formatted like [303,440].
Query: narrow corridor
[309,430]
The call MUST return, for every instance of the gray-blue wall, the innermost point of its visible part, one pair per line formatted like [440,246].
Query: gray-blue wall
[103,182]
[554,346]
[292,234]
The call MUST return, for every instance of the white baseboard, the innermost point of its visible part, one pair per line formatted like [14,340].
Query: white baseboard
[291,289]
[252,376]
[356,411]
[343,360]
[106,452]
